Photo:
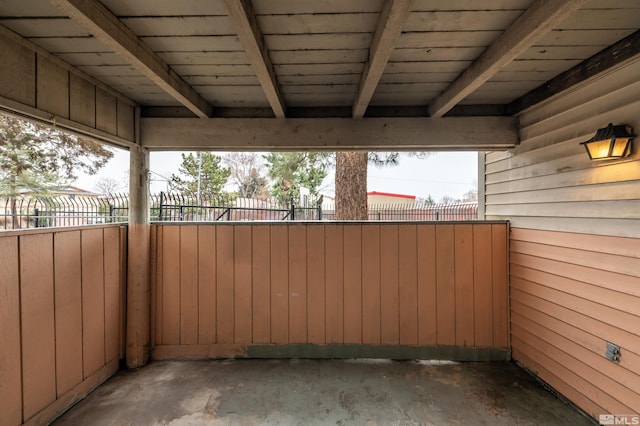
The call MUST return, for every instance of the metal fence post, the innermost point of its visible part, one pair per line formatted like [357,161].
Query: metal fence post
[293,210]
[319,208]
[161,202]
[35,221]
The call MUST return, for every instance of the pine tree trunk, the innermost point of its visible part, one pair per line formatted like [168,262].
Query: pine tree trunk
[351,185]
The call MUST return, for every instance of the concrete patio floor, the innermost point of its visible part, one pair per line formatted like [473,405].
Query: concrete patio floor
[308,392]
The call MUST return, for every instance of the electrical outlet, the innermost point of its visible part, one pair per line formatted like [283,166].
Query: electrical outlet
[613,352]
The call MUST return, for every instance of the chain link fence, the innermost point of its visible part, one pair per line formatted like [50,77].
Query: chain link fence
[76,210]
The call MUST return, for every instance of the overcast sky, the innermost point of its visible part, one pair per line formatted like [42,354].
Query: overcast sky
[443,173]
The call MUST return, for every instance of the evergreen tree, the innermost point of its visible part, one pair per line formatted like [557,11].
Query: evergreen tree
[291,170]
[201,174]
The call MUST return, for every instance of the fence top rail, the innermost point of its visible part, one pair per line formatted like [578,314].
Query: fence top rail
[331,222]
[58,229]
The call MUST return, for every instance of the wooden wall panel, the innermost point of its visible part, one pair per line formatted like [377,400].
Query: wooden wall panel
[206,284]
[68,313]
[93,318]
[316,285]
[188,285]
[224,285]
[352,284]
[58,320]
[37,320]
[427,279]
[10,349]
[261,284]
[321,284]
[39,84]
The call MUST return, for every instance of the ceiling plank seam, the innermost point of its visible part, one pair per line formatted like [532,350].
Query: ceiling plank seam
[105,26]
[392,18]
[250,35]
[535,22]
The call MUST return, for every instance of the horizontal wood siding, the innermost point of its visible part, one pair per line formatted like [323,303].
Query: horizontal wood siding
[570,294]
[548,181]
[220,288]
[61,306]
[575,243]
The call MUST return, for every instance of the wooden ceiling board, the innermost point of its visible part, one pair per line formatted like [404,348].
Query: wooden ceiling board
[436,66]
[559,52]
[180,26]
[583,37]
[427,5]
[476,20]
[222,80]
[603,19]
[85,59]
[436,54]
[213,70]
[24,8]
[44,27]
[71,44]
[318,41]
[318,23]
[319,79]
[205,58]
[110,70]
[403,99]
[318,56]
[322,69]
[166,7]
[193,43]
[287,7]
[419,77]
[421,39]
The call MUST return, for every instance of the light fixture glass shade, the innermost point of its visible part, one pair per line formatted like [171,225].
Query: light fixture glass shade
[609,142]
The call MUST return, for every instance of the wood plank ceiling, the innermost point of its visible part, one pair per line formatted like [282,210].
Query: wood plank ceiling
[277,58]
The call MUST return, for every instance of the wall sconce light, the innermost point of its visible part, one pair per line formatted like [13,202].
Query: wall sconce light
[609,142]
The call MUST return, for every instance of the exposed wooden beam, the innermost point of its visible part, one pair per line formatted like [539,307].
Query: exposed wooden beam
[622,51]
[250,35]
[394,14]
[105,26]
[330,134]
[538,20]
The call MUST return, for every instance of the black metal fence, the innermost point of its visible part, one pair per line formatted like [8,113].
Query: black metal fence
[70,210]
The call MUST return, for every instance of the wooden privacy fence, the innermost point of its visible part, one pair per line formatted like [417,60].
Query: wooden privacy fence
[336,290]
[61,317]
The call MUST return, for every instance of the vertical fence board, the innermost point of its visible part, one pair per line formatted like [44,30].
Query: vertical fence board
[500,286]
[224,285]
[92,301]
[389,312]
[316,281]
[483,286]
[427,308]
[123,289]
[158,284]
[206,285]
[242,284]
[298,284]
[408,284]
[463,248]
[334,284]
[10,354]
[261,285]
[371,284]
[189,285]
[279,284]
[445,285]
[68,310]
[37,316]
[154,276]
[171,285]
[111,292]
[353,283]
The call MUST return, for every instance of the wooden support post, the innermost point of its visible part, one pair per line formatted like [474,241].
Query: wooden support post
[138,277]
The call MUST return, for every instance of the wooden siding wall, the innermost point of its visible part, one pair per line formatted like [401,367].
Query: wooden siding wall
[222,288]
[37,84]
[61,318]
[575,244]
